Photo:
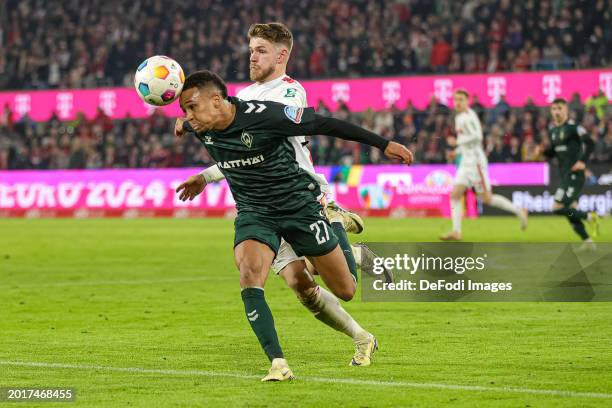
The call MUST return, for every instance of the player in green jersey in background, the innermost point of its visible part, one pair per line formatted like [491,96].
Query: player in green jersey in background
[570,144]
[274,196]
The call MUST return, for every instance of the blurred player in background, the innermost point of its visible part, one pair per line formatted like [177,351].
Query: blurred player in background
[473,168]
[270,47]
[572,146]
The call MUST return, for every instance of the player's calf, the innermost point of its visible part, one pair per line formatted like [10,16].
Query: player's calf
[334,271]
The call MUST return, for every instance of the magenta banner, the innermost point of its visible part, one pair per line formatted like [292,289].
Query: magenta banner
[421,190]
[358,94]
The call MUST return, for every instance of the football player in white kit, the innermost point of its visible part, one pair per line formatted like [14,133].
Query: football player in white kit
[473,168]
[270,46]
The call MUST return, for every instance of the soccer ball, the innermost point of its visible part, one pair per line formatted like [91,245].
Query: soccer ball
[159,80]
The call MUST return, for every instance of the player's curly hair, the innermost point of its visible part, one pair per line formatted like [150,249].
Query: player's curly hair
[276,33]
[203,79]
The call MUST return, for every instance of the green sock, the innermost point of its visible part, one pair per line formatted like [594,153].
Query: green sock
[262,323]
[345,245]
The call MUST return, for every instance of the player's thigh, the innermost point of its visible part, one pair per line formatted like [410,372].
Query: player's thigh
[297,277]
[334,271]
[574,187]
[256,242]
[569,190]
[458,191]
[308,231]
[481,182]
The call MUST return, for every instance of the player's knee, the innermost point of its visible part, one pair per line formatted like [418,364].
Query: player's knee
[486,198]
[250,274]
[346,292]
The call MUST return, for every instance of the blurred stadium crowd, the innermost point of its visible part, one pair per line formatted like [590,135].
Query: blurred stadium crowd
[510,136]
[82,44]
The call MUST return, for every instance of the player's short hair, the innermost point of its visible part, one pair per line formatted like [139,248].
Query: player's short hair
[204,79]
[463,92]
[276,33]
[559,101]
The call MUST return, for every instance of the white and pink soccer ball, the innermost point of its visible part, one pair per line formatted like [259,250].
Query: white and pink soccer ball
[159,80]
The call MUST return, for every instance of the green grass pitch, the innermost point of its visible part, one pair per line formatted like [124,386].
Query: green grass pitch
[147,313]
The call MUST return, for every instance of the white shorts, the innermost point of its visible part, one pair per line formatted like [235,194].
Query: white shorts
[284,257]
[474,175]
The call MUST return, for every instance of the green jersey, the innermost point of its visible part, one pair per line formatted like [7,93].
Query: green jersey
[258,161]
[567,145]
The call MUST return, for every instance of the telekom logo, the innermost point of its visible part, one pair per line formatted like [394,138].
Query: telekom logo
[108,102]
[391,92]
[605,83]
[64,104]
[496,87]
[551,86]
[443,90]
[23,104]
[341,91]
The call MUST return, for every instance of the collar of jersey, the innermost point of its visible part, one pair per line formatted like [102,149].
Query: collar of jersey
[272,83]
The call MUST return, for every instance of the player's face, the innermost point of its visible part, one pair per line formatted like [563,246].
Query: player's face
[264,58]
[460,102]
[201,107]
[559,112]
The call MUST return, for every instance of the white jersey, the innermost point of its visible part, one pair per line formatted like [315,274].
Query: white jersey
[287,91]
[472,171]
[469,137]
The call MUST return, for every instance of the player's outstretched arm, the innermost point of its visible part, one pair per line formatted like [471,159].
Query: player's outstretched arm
[191,187]
[348,131]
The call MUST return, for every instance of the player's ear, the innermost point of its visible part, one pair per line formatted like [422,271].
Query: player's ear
[282,56]
[217,100]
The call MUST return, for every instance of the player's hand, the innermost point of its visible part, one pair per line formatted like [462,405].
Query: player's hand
[579,166]
[398,152]
[178,127]
[191,187]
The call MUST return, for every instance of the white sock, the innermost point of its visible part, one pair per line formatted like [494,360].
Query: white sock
[503,203]
[357,254]
[326,308]
[456,214]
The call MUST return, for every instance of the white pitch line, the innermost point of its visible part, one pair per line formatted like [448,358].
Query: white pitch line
[349,381]
[114,282]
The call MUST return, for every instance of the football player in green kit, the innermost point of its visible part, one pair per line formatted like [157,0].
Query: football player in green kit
[570,144]
[274,196]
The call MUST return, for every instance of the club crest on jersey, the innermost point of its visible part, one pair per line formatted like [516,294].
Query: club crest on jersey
[246,139]
[290,93]
[208,140]
[294,113]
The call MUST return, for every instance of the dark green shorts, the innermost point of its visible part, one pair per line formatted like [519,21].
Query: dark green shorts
[307,230]
[570,188]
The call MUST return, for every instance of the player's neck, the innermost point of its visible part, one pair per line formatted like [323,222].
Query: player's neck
[272,77]
[226,117]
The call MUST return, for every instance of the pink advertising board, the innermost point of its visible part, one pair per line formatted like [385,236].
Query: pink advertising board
[358,94]
[421,190]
